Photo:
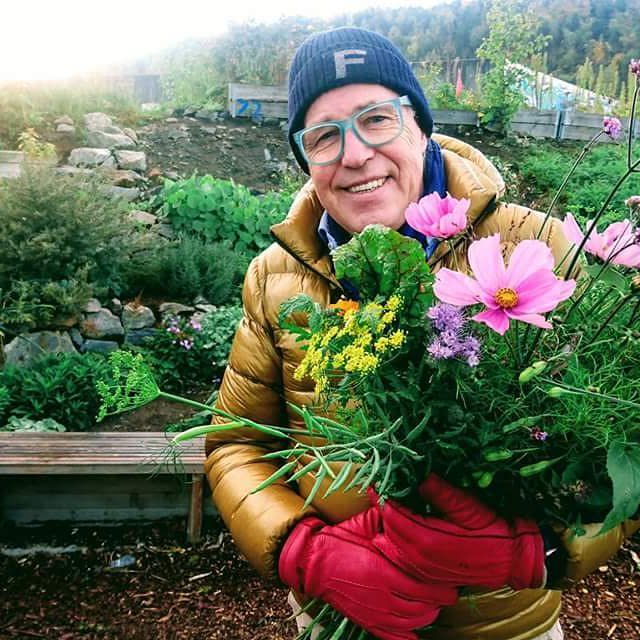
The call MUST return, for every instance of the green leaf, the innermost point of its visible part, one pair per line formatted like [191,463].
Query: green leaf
[609,275]
[382,262]
[623,466]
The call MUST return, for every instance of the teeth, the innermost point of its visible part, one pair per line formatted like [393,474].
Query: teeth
[367,186]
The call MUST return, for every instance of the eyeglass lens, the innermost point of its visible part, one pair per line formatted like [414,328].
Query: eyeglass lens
[375,126]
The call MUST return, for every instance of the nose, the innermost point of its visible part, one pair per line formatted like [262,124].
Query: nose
[356,153]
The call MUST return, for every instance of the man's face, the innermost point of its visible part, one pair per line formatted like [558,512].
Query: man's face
[368,185]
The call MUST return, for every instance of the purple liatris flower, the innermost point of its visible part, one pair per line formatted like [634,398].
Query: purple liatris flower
[612,127]
[446,316]
[450,340]
[634,67]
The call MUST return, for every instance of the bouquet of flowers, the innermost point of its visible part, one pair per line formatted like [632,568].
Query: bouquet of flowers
[518,380]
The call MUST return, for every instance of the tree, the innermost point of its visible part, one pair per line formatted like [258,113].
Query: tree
[512,39]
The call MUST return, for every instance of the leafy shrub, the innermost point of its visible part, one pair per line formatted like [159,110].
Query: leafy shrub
[58,386]
[32,303]
[33,147]
[54,226]
[27,424]
[544,168]
[218,329]
[185,270]
[188,353]
[221,211]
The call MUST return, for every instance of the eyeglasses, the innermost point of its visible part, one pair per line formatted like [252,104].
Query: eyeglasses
[376,125]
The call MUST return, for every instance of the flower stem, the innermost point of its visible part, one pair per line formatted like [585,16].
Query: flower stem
[610,317]
[632,120]
[584,152]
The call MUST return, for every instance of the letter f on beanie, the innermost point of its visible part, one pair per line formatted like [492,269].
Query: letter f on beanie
[349,55]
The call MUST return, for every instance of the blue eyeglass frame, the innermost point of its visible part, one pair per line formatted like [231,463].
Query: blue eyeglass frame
[348,123]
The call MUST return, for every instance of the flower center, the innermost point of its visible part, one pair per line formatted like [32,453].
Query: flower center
[506,298]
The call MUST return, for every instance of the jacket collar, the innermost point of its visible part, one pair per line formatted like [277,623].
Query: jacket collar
[469,175]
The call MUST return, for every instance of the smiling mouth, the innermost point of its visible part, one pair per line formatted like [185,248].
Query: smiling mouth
[367,186]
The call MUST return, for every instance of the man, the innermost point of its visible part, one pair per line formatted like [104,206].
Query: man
[360,125]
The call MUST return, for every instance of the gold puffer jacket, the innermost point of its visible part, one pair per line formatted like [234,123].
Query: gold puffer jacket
[259,382]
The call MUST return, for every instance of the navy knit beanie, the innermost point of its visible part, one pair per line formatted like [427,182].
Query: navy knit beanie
[344,56]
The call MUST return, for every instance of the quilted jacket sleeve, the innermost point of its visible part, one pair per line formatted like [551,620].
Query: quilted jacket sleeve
[251,388]
[589,551]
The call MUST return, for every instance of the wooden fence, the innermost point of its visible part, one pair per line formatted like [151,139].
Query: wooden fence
[258,102]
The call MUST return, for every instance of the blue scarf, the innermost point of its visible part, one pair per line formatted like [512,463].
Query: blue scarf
[333,235]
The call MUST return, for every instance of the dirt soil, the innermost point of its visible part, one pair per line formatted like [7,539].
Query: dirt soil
[177,592]
[235,149]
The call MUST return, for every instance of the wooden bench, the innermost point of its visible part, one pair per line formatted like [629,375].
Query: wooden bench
[77,458]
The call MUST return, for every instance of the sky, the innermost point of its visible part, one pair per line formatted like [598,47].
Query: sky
[47,40]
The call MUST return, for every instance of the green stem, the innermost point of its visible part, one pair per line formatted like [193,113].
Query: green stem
[584,392]
[632,119]
[610,317]
[181,400]
[584,152]
[635,313]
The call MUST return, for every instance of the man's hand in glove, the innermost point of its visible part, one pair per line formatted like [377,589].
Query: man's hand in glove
[340,565]
[466,544]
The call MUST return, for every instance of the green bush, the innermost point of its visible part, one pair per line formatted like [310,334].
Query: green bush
[58,386]
[54,226]
[219,211]
[218,329]
[184,270]
[187,353]
[32,303]
[544,168]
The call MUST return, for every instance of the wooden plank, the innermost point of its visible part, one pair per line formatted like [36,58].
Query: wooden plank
[82,453]
[96,498]
[454,117]
[194,523]
[247,100]
[528,116]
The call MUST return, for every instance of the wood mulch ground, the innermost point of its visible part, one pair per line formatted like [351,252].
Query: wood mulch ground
[178,592]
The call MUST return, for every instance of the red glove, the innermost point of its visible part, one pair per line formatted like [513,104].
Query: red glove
[471,547]
[339,565]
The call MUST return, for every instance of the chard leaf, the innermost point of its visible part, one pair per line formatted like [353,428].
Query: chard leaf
[381,262]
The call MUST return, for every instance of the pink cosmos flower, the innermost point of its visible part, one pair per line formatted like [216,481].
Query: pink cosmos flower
[438,217]
[617,243]
[612,127]
[522,291]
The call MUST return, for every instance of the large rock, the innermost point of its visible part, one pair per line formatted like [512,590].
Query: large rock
[101,325]
[137,316]
[124,177]
[99,346]
[131,133]
[27,347]
[133,160]
[127,193]
[88,157]
[66,170]
[143,218]
[64,120]
[65,128]
[169,309]
[99,138]
[97,120]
